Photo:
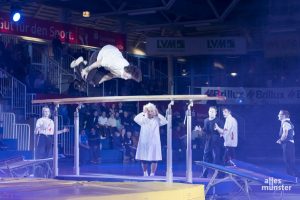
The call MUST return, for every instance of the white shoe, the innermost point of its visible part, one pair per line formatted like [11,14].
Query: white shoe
[152,174]
[146,174]
[76,62]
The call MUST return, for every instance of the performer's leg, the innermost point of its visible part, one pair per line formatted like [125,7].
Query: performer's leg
[40,149]
[229,155]
[153,168]
[49,146]
[217,152]
[226,156]
[78,65]
[93,57]
[76,62]
[145,167]
[207,157]
[290,158]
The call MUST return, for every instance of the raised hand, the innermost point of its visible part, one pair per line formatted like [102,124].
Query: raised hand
[84,73]
[216,127]
[65,130]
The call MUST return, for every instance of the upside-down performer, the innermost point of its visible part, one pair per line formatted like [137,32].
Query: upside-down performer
[149,145]
[103,65]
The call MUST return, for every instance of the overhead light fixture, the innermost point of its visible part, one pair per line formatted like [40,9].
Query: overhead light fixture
[219,65]
[181,59]
[15,13]
[142,12]
[233,74]
[86,13]
[138,51]
[32,39]
[184,72]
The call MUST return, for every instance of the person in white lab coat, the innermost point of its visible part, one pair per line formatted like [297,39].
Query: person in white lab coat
[149,145]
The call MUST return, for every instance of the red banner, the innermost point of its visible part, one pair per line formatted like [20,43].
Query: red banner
[68,33]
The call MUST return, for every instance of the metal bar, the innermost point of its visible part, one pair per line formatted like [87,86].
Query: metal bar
[189,172]
[169,144]
[83,100]
[213,8]
[55,146]
[229,9]
[76,143]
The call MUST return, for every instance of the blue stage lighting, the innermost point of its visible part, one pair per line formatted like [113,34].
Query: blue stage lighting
[16,16]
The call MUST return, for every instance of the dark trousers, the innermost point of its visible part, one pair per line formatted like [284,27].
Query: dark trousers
[44,147]
[95,151]
[85,155]
[94,76]
[289,158]
[212,154]
[229,155]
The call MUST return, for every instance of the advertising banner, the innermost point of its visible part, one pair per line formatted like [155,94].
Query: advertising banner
[237,95]
[68,33]
[196,46]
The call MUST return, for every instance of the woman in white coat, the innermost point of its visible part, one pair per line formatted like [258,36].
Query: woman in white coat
[149,146]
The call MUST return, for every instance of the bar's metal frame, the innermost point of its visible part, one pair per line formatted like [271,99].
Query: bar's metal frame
[86,100]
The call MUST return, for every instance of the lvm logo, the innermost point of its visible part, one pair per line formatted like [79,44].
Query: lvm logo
[170,44]
[221,44]
[273,184]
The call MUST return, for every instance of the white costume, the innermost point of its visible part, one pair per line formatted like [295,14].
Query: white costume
[230,133]
[45,125]
[111,58]
[110,63]
[149,146]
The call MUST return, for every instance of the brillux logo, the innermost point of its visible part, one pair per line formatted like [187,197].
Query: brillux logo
[273,184]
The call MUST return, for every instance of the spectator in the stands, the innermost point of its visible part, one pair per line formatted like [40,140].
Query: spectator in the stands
[117,141]
[112,123]
[92,121]
[94,143]
[103,125]
[84,147]
[126,121]
[39,83]
[57,48]
[129,148]
[118,121]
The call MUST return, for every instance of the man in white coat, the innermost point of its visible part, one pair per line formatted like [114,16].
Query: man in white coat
[230,135]
[44,129]
[149,145]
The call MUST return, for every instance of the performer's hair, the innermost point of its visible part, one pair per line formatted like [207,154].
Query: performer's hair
[285,113]
[134,71]
[45,107]
[226,108]
[213,107]
[150,106]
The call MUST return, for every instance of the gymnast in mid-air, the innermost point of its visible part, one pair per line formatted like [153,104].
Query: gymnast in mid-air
[103,65]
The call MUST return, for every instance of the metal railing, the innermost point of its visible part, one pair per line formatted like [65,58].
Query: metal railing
[14,90]
[57,73]
[22,132]
[11,130]
[32,109]
[66,141]
[9,121]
